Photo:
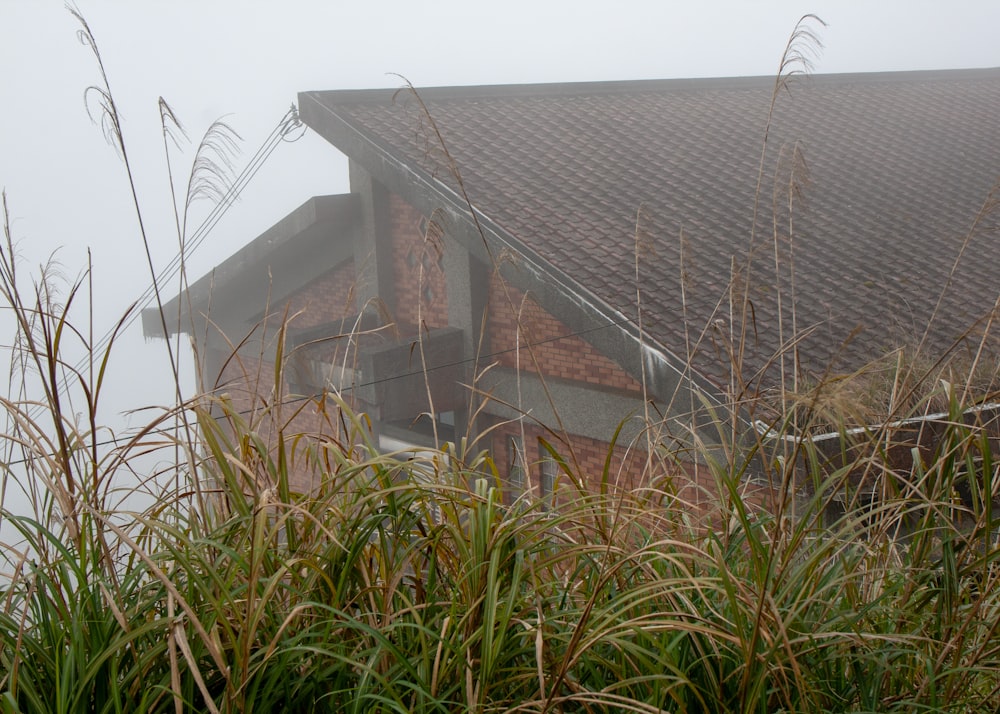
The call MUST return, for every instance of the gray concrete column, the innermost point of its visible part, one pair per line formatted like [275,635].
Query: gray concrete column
[373,243]
[468,293]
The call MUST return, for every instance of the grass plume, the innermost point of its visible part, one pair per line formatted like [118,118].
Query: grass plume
[852,580]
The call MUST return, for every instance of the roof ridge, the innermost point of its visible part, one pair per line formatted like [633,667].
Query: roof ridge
[606,87]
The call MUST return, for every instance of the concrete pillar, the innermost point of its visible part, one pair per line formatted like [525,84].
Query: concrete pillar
[468,293]
[373,243]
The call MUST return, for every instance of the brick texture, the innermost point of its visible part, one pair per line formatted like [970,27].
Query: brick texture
[417,263]
[627,469]
[586,456]
[421,297]
[324,299]
[558,352]
[246,385]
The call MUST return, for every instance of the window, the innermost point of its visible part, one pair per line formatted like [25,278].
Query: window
[547,482]
[515,461]
[548,471]
[425,465]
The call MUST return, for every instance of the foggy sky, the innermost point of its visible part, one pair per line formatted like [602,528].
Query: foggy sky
[246,61]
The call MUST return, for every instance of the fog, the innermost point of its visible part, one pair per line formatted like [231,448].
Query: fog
[245,61]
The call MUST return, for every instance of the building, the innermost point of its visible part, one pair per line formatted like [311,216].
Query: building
[516,262]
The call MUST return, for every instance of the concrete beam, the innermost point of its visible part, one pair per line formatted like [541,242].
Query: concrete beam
[582,410]
[372,242]
[610,331]
[311,240]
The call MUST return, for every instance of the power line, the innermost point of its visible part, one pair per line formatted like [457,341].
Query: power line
[455,363]
[168,272]
[283,129]
[287,124]
[459,363]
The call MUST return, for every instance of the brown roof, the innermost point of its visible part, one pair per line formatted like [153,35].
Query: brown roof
[890,171]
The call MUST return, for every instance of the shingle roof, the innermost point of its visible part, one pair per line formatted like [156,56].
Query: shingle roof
[898,166]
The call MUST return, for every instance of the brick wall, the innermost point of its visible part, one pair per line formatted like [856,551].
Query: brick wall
[558,353]
[629,467]
[247,386]
[421,293]
[585,456]
[324,299]
[418,265]
[691,484]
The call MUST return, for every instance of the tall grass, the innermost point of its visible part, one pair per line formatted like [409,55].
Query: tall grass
[416,584]
[410,586]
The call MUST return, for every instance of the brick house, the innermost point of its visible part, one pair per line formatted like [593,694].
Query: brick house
[516,262]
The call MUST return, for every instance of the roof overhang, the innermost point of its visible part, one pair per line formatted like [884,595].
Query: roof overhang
[668,377]
[311,240]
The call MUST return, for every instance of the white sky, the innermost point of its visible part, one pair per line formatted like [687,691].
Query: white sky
[246,60]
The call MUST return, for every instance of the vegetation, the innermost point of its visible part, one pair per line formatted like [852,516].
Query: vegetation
[416,586]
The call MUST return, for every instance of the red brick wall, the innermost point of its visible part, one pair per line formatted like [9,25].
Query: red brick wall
[584,455]
[326,298]
[558,353]
[628,469]
[421,293]
[418,264]
[693,485]
[246,387]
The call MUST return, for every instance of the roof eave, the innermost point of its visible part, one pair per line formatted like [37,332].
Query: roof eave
[238,287]
[661,370]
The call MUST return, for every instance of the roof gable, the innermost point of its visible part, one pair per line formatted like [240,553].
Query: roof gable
[887,174]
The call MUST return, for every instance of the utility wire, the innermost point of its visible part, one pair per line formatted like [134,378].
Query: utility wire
[456,363]
[168,272]
[281,133]
[284,128]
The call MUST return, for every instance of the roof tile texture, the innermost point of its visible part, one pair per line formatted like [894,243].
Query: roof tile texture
[864,192]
